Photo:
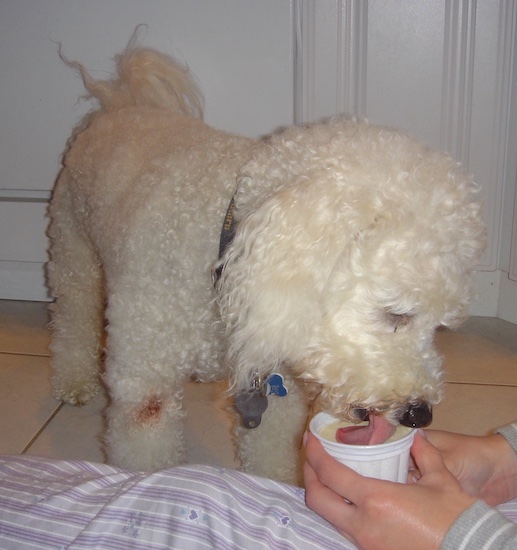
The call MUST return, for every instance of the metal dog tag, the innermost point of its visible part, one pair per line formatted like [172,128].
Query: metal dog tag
[251,405]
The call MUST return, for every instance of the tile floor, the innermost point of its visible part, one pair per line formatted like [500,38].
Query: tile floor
[480,364]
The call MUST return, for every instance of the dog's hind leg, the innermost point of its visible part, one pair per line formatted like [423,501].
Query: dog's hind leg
[273,449]
[75,280]
[145,417]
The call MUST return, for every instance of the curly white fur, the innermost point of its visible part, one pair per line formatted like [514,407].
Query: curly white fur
[354,242]
[345,228]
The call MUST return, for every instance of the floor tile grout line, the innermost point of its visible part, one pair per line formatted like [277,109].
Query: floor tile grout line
[42,429]
[485,384]
[19,354]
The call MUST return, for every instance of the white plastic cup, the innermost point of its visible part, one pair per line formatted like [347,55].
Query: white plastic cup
[388,461]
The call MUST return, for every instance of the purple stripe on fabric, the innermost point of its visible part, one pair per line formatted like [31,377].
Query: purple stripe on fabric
[44,512]
[26,533]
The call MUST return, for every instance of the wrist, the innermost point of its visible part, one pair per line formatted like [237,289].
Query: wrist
[502,484]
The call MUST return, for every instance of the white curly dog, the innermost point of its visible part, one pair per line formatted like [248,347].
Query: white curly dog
[352,244]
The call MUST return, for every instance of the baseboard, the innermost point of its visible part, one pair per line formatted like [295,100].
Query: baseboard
[507,308]
[23,281]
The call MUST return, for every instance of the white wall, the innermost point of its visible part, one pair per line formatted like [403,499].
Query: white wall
[240,50]
[443,69]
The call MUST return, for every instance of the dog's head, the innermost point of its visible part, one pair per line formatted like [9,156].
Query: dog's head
[354,243]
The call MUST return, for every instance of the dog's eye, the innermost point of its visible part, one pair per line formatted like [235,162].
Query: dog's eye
[399,320]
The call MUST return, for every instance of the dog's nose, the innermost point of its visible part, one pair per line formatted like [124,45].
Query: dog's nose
[417,415]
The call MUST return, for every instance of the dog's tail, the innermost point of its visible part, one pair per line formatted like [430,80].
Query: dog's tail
[145,77]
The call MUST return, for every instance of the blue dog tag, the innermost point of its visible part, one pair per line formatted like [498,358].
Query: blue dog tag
[275,385]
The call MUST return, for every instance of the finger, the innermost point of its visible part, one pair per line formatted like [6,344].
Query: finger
[426,456]
[341,479]
[327,503]
[317,494]
[413,471]
[419,431]
[327,469]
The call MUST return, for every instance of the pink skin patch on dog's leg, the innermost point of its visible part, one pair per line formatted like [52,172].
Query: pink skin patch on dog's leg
[151,411]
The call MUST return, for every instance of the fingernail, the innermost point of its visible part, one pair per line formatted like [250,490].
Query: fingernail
[421,431]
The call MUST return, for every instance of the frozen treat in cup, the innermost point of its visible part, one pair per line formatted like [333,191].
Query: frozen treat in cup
[388,460]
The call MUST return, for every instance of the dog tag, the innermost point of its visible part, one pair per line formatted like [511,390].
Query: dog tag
[251,405]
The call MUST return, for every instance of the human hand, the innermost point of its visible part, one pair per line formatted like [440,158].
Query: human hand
[485,466]
[383,514]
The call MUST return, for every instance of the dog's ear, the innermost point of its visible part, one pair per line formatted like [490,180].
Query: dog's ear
[299,207]
[320,208]
[274,273]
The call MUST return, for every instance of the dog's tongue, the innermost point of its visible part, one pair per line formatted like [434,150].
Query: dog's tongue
[378,430]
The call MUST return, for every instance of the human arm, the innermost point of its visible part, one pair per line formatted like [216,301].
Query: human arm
[492,477]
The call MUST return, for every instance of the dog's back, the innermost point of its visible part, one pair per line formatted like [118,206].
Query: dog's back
[138,209]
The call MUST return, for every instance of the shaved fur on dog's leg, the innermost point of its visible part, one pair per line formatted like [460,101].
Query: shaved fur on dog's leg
[146,430]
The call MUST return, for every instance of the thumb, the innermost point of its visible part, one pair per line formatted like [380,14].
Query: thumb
[426,456]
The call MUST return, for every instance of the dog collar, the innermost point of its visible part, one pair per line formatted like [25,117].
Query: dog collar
[227,234]
[251,403]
